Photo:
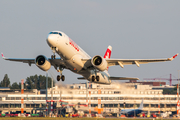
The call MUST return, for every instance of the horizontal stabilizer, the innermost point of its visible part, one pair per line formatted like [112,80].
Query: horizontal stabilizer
[81,78]
[123,78]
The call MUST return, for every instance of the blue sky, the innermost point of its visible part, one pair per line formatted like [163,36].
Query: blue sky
[135,29]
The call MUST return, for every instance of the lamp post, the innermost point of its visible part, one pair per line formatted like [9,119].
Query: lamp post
[178,96]
[124,107]
[46,94]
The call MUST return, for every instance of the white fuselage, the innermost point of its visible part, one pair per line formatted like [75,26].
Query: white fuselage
[72,55]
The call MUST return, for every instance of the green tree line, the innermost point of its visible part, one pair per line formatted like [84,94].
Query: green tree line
[32,82]
[170,91]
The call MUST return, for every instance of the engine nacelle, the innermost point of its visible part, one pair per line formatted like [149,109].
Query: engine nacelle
[42,63]
[99,63]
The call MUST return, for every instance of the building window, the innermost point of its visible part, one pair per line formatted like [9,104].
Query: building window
[55,98]
[121,98]
[115,105]
[8,98]
[5,105]
[110,105]
[146,105]
[105,98]
[38,98]
[116,98]
[12,105]
[17,105]
[33,98]
[27,105]
[95,98]
[18,98]
[37,105]
[1,105]
[105,105]
[13,98]
[117,92]
[33,105]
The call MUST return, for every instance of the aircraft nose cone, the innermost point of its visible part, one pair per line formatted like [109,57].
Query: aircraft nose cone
[51,40]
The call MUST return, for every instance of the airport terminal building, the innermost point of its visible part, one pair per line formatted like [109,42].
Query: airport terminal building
[114,98]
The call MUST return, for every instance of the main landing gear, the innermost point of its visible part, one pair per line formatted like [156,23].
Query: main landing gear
[95,78]
[60,77]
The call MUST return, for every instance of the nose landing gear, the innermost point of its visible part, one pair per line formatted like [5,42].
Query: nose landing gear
[53,50]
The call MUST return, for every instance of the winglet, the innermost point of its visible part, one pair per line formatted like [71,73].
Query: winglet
[2,56]
[173,57]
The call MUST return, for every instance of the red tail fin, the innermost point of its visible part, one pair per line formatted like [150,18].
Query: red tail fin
[108,52]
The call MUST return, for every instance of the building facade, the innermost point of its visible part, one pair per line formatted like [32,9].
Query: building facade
[113,97]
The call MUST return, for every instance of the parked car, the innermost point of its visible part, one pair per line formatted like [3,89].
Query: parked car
[153,115]
[75,115]
[28,114]
[14,114]
[2,115]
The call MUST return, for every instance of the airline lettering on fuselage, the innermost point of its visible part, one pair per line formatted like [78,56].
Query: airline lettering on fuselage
[73,44]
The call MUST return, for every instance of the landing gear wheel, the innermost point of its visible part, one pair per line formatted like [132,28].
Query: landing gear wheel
[53,56]
[62,77]
[93,78]
[97,78]
[58,78]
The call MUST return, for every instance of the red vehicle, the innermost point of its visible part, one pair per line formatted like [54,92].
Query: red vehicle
[75,115]
[143,115]
[153,115]
[12,114]
[9,114]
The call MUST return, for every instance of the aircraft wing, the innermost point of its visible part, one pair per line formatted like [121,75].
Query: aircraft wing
[24,60]
[54,62]
[122,62]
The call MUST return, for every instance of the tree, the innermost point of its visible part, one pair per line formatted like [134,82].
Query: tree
[5,82]
[37,82]
[170,91]
[15,86]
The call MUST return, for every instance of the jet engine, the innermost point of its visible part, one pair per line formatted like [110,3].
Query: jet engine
[42,63]
[99,63]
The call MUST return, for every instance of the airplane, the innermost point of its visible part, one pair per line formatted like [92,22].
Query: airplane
[75,59]
[132,112]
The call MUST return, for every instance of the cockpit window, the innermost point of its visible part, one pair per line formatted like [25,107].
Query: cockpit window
[60,34]
[55,33]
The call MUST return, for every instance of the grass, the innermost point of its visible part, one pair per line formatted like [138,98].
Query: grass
[48,118]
